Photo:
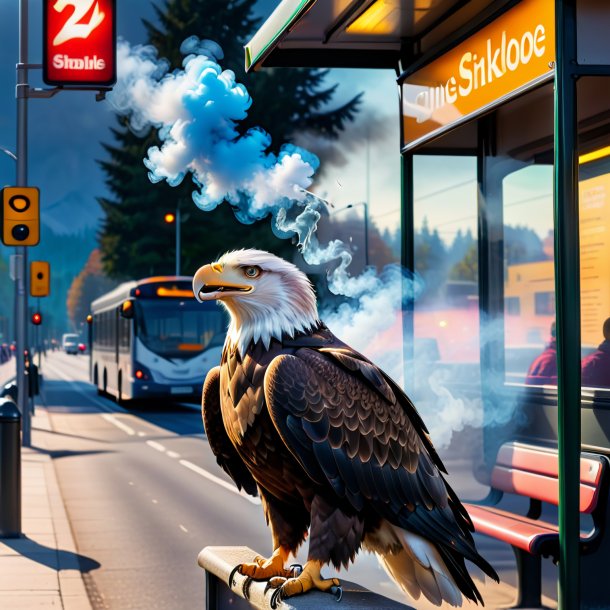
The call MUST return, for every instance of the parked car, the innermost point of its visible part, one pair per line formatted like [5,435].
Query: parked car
[69,343]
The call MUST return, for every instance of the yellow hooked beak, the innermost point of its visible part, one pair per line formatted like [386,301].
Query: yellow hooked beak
[214,281]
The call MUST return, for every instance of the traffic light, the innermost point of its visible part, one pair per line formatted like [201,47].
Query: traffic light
[37,318]
[169,218]
[20,216]
[40,278]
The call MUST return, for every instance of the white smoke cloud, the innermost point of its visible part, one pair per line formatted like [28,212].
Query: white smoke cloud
[197,111]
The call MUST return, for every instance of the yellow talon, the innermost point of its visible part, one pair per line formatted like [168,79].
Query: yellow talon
[310,578]
[263,569]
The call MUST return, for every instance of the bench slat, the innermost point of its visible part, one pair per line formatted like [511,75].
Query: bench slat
[545,462]
[540,487]
[518,531]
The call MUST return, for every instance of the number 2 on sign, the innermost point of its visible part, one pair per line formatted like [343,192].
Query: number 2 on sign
[72,28]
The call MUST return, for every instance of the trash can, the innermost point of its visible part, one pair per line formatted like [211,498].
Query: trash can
[10,469]
[10,391]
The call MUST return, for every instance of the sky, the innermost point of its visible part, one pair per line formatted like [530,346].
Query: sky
[66,132]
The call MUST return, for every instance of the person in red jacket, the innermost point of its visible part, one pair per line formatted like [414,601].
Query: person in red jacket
[543,370]
[595,370]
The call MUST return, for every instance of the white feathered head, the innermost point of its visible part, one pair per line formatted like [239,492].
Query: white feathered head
[266,296]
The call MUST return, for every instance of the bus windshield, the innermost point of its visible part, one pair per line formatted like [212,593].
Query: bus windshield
[179,329]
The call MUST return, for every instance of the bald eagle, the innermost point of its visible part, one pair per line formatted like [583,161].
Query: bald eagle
[328,441]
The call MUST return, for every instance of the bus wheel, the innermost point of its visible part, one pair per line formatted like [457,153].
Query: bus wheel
[105,385]
[120,400]
[96,380]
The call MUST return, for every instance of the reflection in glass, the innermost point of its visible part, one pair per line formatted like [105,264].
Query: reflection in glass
[529,280]
[446,316]
[594,191]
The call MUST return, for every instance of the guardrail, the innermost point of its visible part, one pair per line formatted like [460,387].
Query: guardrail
[219,561]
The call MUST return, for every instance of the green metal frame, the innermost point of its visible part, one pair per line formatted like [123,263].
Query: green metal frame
[407,259]
[302,6]
[567,298]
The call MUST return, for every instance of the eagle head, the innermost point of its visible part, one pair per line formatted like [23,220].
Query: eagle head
[266,296]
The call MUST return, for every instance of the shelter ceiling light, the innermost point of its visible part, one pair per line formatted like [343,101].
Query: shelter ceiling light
[382,17]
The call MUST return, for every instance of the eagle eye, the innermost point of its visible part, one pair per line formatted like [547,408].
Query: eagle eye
[252,272]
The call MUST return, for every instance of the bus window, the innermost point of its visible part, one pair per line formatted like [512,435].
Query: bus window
[177,329]
[124,334]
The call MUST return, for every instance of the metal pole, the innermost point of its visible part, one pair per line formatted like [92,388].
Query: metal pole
[21,251]
[567,298]
[177,240]
[38,337]
[407,260]
[366,234]
[368,196]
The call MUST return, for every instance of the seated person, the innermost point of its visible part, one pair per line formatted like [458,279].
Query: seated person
[543,371]
[595,371]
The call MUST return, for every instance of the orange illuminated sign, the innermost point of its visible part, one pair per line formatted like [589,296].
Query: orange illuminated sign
[174,292]
[511,54]
[79,45]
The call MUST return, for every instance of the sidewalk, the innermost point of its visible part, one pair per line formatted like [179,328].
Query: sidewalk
[42,569]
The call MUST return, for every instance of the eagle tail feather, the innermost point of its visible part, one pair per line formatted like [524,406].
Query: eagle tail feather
[418,568]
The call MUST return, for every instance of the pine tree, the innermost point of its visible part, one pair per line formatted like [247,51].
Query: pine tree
[134,240]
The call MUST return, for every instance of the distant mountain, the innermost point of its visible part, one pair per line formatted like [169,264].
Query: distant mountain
[72,214]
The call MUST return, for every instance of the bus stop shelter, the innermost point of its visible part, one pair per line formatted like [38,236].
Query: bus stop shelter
[514,86]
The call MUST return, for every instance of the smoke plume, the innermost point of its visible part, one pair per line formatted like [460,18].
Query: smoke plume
[197,111]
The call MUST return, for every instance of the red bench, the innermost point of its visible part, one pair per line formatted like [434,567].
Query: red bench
[532,471]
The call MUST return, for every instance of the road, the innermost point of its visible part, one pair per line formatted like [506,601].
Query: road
[144,495]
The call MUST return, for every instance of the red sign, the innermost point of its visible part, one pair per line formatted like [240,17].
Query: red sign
[79,44]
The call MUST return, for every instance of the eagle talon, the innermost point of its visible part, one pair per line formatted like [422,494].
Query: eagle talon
[274,583]
[296,569]
[245,588]
[337,592]
[275,598]
[235,570]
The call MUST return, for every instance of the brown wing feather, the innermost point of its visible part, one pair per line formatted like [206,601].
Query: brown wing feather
[344,431]
[221,446]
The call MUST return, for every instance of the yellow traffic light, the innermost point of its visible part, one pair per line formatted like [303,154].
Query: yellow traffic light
[169,218]
[40,278]
[20,216]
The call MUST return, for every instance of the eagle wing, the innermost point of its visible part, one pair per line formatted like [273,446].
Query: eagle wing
[352,428]
[226,455]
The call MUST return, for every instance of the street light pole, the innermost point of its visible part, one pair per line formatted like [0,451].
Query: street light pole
[21,299]
[177,240]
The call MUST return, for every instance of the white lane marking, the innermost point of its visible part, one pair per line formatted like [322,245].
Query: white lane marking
[141,433]
[131,483]
[155,445]
[118,423]
[229,486]
[173,454]
[155,501]
[183,528]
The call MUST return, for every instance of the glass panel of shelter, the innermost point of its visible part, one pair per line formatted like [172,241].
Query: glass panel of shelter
[594,207]
[484,324]
[483,216]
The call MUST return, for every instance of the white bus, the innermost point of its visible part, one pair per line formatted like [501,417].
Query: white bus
[152,339]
